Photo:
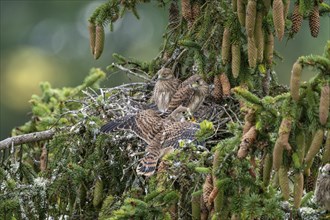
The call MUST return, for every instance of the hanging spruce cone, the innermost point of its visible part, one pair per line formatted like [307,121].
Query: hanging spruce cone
[310,182]
[284,133]
[98,192]
[267,4]
[196,10]
[314,21]
[186,10]
[43,158]
[277,155]
[295,80]
[234,5]
[225,85]
[298,189]
[217,92]
[326,152]
[174,15]
[92,32]
[207,189]
[241,12]
[259,37]
[284,182]
[249,121]
[247,142]
[315,146]
[278,18]
[252,52]
[99,41]
[324,104]
[296,19]
[250,18]
[267,169]
[236,59]
[286,7]
[269,48]
[225,49]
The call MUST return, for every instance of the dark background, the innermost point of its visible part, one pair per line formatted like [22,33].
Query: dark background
[48,41]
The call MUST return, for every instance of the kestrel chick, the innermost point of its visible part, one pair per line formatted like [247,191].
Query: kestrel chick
[145,124]
[191,94]
[322,189]
[161,134]
[169,140]
[165,88]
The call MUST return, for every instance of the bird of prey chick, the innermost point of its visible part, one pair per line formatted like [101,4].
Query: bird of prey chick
[165,88]
[322,189]
[190,94]
[161,134]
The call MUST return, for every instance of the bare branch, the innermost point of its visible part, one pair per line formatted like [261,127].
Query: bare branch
[130,71]
[26,138]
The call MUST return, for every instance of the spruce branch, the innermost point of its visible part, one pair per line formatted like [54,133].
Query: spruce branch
[317,61]
[27,138]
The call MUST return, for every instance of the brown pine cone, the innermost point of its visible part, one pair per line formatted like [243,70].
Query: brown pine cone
[174,15]
[217,92]
[252,52]
[269,48]
[241,13]
[314,21]
[186,10]
[286,5]
[207,189]
[236,59]
[99,41]
[278,18]
[225,48]
[259,37]
[225,84]
[296,18]
[250,17]
[92,30]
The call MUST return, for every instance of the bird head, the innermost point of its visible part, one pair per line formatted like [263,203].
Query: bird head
[325,171]
[181,113]
[201,86]
[165,73]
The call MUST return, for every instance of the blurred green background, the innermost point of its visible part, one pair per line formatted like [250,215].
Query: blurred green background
[48,41]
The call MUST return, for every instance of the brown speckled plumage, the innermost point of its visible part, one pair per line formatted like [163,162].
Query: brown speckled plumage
[161,135]
[191,94]
[165,88]
[322,189]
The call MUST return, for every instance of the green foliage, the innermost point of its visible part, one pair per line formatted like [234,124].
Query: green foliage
[206,130]
[91,175]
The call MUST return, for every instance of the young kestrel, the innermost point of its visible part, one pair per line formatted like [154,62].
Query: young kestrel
[191,94]
[161,134]
[168,140]
[322,189]
[165,88]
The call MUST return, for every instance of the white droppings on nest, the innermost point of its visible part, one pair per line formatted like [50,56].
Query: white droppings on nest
[41,182]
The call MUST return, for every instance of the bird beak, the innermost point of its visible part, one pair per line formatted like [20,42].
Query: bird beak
[195,85]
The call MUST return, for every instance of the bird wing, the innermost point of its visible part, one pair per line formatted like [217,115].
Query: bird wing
[125,123]
[146,124]
[178,131]
[181,97]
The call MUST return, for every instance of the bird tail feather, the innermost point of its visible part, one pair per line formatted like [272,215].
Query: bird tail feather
[147,165]
[116,125]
